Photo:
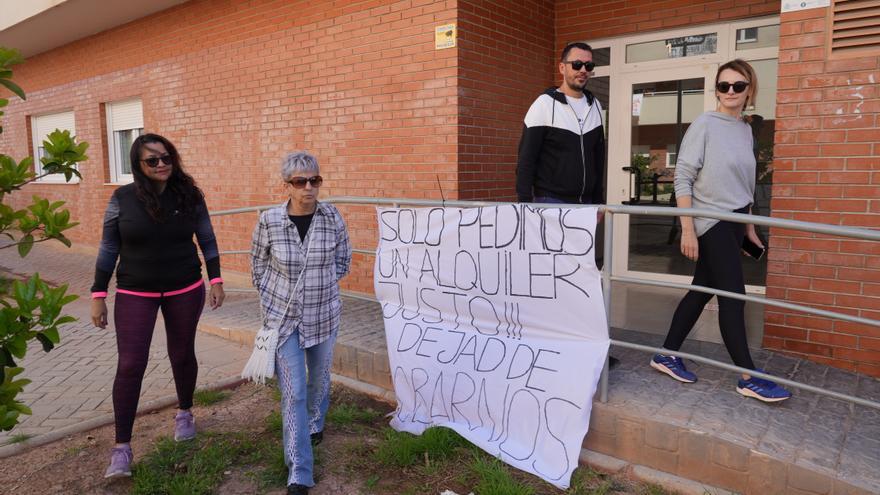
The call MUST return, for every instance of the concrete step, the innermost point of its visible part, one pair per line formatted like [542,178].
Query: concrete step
[704,431]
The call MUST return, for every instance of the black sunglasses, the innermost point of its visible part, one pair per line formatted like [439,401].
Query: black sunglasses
[578,65]
[153,161]
[300,182]
[738,87]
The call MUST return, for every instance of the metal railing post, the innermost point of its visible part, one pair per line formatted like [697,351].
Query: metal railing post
[608,239]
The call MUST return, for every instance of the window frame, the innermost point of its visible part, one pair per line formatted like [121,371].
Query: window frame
[117,176]
[37,139]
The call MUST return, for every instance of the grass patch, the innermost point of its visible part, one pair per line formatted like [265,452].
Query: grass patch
[274,424]
[19,438]
[194,467]
[347,414]
[494,478]
[209,397]
[401,449]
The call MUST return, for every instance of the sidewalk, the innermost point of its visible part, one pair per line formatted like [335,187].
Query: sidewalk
[703,431]
[74,382]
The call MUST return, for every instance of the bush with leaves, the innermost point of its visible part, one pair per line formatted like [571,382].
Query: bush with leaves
[30,309]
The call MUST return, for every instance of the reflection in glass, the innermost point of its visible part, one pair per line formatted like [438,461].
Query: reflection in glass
[661,113]
[684,46]
[124,140]
[602,57]
[757,37]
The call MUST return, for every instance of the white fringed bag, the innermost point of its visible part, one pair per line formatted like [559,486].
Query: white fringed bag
[261,365]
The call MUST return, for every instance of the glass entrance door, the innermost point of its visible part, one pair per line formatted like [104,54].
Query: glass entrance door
[661,113]
[641,168]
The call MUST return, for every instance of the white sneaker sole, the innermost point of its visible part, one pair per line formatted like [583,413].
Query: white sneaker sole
[749,393]
[124,474]
[664,369]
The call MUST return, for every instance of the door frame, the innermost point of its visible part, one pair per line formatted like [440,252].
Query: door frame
[619,155]
[623,75]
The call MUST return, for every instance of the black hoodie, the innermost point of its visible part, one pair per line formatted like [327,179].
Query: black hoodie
[557,157]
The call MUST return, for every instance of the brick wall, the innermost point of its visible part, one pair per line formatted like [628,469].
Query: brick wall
[578,20]
[236,84]
[506,60]
[826,169]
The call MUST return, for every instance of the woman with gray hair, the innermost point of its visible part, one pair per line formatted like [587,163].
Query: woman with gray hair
[300,251]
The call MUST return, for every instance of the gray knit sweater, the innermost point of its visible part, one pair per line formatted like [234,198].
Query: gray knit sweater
[716,165]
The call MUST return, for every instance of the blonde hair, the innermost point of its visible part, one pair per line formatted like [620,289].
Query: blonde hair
[746,70]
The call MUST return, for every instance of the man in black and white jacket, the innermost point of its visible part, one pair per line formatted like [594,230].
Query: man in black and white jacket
[562,149]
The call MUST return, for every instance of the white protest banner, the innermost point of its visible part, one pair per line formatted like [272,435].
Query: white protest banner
[495,327]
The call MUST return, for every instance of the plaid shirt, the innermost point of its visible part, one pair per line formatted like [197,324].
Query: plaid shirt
[277,257]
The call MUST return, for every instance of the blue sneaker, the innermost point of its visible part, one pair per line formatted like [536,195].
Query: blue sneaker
[761,389]
[673,367]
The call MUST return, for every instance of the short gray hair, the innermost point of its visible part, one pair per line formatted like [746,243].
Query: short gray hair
[298,161]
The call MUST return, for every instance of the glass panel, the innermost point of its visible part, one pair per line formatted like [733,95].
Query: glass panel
[685,46]
[757,37]
[763,126]
[661,113]
[124,139]
[600,87]
[602,57]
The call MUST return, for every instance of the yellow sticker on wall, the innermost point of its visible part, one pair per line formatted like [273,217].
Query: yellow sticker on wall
[444,36]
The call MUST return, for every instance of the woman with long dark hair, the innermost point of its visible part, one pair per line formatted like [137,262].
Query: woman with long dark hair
[716,170]
[149,227]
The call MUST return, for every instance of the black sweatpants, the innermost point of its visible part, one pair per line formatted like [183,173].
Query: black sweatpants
[719,266]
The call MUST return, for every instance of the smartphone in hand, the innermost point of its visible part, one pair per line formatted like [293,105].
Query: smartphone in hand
[752,249]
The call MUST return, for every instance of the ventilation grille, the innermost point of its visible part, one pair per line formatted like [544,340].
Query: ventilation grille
[855,27]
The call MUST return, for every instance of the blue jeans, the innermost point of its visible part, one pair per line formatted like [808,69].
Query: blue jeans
[304,402]
[547,199]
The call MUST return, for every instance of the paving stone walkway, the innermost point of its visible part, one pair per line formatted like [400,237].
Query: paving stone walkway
[809,433]
[74,382]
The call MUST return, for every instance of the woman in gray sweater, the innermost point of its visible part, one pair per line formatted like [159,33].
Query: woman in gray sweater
[716,170]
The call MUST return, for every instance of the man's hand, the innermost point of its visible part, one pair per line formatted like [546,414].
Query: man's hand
[99,312]
[216,296]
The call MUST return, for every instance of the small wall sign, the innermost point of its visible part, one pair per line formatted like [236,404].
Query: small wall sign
[444,36]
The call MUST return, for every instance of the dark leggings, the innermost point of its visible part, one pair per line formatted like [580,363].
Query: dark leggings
[718,267]
[135,318]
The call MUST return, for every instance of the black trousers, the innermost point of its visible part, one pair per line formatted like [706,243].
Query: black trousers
[719,266]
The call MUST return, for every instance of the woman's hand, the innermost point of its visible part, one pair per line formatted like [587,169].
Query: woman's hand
[752,234]
[99,312]
[216,296]
[689,245]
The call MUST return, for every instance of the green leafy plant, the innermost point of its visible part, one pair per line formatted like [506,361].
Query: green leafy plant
[30,309]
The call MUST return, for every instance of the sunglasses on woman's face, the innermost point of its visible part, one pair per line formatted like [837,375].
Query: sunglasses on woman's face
[738,87]
[300,182]
[578,65]
[153,161]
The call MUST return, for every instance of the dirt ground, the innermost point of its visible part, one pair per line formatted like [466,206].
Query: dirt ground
[76,464]
[345,462]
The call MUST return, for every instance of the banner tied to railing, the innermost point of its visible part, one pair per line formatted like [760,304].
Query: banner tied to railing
[495,326]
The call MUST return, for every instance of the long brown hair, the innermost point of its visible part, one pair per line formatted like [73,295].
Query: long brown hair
[188,195]
[746,70]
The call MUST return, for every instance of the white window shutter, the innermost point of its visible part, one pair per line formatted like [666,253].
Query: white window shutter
[43,125]
[127,115]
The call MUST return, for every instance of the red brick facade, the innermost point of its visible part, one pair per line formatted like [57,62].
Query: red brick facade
[236,84]
[826,169]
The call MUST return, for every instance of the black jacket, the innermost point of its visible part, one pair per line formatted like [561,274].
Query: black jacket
[153,256]
[559,158]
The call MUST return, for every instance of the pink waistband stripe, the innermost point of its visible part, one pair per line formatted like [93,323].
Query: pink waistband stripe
[160,294]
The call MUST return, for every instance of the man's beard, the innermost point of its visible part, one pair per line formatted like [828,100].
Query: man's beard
[577,87]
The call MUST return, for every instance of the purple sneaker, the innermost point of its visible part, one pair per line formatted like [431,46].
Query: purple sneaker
[184,426]
[120,462]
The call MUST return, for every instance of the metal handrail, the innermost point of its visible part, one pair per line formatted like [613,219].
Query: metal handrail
[607,278]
